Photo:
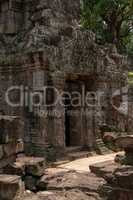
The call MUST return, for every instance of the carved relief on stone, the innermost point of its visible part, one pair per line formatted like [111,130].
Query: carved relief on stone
[10,16]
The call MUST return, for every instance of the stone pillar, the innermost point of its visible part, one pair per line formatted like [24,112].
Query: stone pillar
[59,119]
[11,187]
[130,110]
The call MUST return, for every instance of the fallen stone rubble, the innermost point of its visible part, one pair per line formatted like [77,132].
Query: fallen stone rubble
[71,180]
[62,195]
[34,182]
[29,179]
[119,180]
[31,169]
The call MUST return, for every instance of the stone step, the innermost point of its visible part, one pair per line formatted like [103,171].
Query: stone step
[60,162]
[78,155]
[102,147]
[73,149]
[11,187]
[72,156]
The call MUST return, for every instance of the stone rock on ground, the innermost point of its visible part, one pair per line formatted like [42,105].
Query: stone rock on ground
[63,195]
[69,195]
[116,193]
[55,172]
[121,187]
[104,169]
[71,180]
[16,168]
[30,197]
[34,166]
[119,158]
[123,177]
[50,174]
[11,187]
[29,168]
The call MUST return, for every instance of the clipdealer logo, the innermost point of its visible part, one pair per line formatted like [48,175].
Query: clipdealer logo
[39,98]
[91,99]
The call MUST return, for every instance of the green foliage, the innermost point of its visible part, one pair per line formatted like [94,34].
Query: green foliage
[111,20]
[130,78]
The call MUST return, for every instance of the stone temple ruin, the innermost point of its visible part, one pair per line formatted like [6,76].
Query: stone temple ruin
[43,46]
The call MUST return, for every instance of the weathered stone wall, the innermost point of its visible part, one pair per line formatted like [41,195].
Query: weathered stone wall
[11,139]
[50,49]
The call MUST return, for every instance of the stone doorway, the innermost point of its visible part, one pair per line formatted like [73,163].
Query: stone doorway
[79,127]
[73,129]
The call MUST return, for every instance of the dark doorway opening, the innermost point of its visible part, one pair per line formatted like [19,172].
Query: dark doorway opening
[73,123]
